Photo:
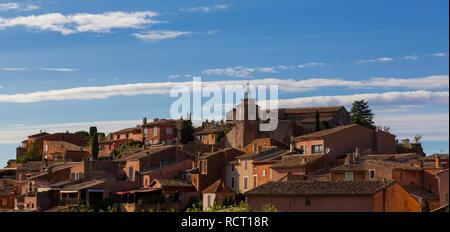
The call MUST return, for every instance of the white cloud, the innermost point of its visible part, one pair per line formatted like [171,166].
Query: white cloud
[238,71]
[59,69]
[82,22]
[432,126]
[267,70]
[441,54]
[17,6]
[158,35]
[419,97]
[381,59]
[289,85]
[174,76]
[430,82]
[411,57]
[286,67]
[206,9]
[312,64]
[16,133]
[14,69]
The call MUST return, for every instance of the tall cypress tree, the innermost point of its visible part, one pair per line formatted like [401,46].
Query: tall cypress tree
[317,121]
[95,149]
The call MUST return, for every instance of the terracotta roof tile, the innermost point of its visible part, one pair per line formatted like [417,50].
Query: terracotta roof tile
[318,188]
[295,160]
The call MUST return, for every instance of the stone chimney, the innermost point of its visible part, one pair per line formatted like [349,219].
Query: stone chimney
[144,121]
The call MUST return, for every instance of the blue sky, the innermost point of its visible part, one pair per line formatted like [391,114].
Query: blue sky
[393,53]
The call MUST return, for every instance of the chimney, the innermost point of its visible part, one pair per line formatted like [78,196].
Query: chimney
[438,161]
[348,159]
[144,121]
[291,147]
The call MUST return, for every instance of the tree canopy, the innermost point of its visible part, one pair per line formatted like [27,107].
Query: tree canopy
[361,114]
[187,132]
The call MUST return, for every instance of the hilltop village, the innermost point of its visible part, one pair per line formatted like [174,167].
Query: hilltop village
[317,160]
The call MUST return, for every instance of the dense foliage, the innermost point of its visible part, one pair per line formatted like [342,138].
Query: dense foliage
[361,114]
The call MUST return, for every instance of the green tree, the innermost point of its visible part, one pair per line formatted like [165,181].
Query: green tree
[32,153]
[187,132]
[384,128]
[325,125]
[269,208]
[317,121]
[95,148]
[92,130]
[417,138]
[361,114]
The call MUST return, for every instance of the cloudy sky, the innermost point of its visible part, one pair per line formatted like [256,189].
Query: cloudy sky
[68,65]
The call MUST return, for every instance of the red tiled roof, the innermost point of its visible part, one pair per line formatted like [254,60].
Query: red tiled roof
[218,187]
[321,134]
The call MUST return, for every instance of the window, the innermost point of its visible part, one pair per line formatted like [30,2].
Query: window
[118,136]
[303,149]
[64,157]
[155,131]
[255,181]
[371,174]
[169,131]
[127,136]
[308,202]
[232,168]
[245,182]
[169,142]
[201,138]
[146,133]
[232,182]
[245,164]
[46,147]
[209,200]
[203,166]
[446,198]
[317,149]
[130,173]
[348,175]
[264,173]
